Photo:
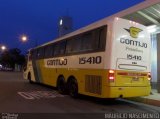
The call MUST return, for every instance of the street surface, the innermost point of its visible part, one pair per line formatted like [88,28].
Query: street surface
[19,98]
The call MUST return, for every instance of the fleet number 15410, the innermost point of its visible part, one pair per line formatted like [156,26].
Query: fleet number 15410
[90,60]
[133,57]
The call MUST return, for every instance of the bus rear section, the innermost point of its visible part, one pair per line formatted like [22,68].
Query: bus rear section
[130,60]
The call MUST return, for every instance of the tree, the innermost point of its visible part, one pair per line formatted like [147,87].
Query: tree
[11,57]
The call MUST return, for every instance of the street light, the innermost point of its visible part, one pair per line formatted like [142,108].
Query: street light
[3,47]
[24,38]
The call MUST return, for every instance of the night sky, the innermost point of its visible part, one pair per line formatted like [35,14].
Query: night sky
[38,19]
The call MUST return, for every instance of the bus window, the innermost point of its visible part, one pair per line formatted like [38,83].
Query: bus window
[59,48]
[87,42]
[40,53]
[73,45]
[102,37]
[99,38]
[48,51]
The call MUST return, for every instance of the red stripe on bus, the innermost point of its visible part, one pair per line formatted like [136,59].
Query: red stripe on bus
[123,73]
[131,74]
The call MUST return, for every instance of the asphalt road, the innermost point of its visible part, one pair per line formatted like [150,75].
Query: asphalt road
[20,99]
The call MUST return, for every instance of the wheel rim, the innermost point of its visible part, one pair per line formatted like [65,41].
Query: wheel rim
[73,89]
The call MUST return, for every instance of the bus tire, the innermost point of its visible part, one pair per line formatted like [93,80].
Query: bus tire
[73,87]
[29,78]
[61,85]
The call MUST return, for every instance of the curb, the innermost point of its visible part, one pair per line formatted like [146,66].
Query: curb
[146,101]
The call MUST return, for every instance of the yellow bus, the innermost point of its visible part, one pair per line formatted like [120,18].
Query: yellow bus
[107,59]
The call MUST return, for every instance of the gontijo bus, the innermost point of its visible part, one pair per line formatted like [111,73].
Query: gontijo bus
[107,59]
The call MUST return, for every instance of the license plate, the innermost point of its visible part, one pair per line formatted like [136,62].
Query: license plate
[135,79]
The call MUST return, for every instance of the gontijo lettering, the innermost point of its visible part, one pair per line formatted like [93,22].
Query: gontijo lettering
[133,42]
[56,62]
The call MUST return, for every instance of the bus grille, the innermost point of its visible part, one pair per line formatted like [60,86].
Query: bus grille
[93,84]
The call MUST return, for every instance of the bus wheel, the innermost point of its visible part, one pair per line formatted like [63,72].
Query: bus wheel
[73,88]
[61,86]
[29,78]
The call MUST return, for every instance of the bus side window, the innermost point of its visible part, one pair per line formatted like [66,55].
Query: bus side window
[99,38]
[73,45]
[102,37]
[48,51]
[59,48]
[40,53]
[95,42]
[69,46]
[87,42]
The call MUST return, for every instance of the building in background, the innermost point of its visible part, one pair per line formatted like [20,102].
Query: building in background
[64,25]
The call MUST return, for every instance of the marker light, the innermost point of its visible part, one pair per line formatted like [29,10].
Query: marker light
[133,23]
[117,18]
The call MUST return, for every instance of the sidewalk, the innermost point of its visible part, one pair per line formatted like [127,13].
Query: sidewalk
[152,99]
